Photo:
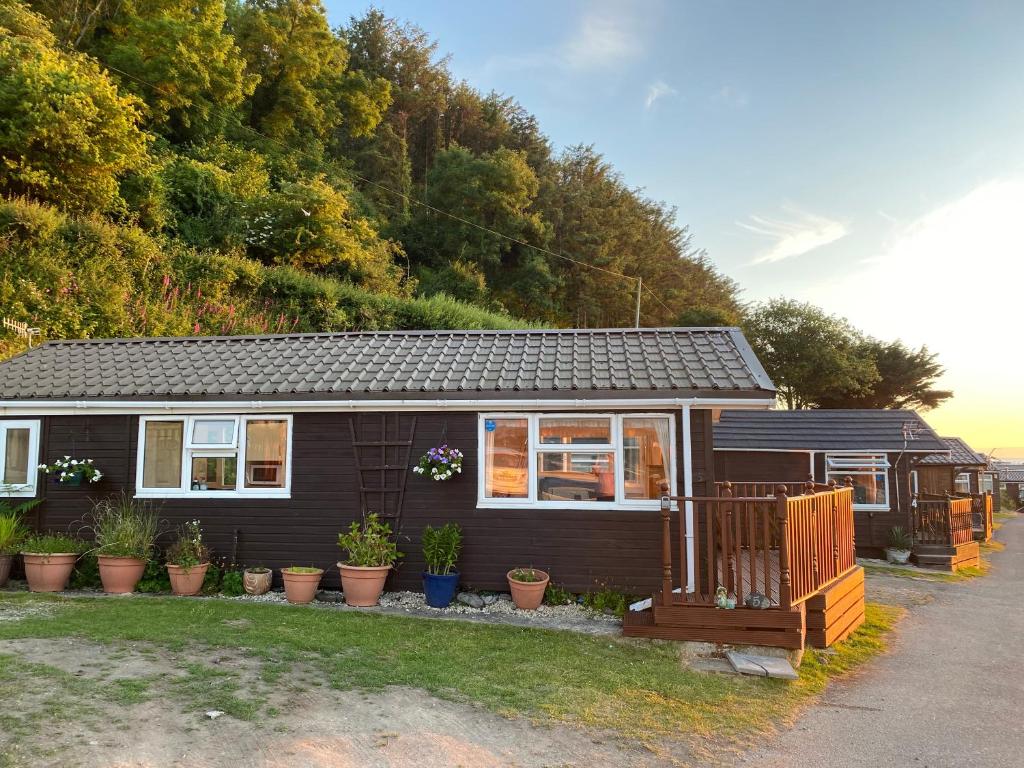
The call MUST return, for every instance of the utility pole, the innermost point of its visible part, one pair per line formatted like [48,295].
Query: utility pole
[639,288]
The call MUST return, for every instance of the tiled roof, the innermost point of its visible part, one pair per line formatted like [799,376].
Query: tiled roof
[1011,475]
[672,362]
[825,430]
[960,455]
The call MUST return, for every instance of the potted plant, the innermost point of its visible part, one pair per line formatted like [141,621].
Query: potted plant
[301,583]
[900,545]
[527,586]
[440,463]
[125,530]
[441,547]
[187,560]
[49,559]
[12,533]
[256,581]
[68,471]
[371,554]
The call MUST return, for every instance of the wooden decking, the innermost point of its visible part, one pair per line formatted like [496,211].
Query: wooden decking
[944,533]
[793,553]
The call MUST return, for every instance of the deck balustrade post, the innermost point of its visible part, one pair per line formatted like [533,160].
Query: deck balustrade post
[727,544]
[782,514]
[949,521]
[835,533]
[848,483]
[666,548]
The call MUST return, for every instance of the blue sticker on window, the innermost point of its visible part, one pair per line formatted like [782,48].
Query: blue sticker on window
[490,425]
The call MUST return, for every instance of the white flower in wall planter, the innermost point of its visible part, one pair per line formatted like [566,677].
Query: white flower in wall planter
[68,471]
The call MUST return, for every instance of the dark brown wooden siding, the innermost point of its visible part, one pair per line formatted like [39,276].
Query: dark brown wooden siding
[582,549]
[762,466]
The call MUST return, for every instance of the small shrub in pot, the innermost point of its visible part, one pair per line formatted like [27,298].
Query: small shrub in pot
[187,560]
[371,555]
[900,545]
[49,559]
[301,583]
[12,533]
[441,548]
[125,530]
[527,586]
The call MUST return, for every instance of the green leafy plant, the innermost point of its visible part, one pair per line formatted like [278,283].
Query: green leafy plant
[606,601]
[900,539]
[86,574]
[12,532]
[188,550]
[301,569]
[556,595]
[369,544]
[441,548]
[123,526]
[154,578]
[52,544]
[213,579]
[526,575]
[231,585]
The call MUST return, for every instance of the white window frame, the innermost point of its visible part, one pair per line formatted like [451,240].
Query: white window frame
[967,477]
[535,448]
[208,451]
[877,461]
[30,488]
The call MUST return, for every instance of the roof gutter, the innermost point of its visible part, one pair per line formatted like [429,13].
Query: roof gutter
[145,407]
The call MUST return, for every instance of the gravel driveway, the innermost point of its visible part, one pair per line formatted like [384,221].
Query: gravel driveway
[950,693]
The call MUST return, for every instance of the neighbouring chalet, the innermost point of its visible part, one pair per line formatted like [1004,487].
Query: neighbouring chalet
[588,453]
[963,473]
[879,450]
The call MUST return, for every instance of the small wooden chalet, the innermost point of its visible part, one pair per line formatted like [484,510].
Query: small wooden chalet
[877,449]
[963,473]
[588,453]
[1011,480]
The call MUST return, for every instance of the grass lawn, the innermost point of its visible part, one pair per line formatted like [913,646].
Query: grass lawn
[638,689]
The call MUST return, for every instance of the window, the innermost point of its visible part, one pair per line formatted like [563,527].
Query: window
[915,483]
[201,456]
[19,457]
[574,460]
[987,486]
[870,474]
[962,482]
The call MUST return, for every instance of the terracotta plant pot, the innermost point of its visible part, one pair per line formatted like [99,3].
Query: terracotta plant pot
[257,582]
[187,581]
[362,587]
[5,568]
[48,573]
[300,588]
[528,595]
[120,575]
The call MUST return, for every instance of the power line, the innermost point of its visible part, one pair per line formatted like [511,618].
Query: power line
[408,198]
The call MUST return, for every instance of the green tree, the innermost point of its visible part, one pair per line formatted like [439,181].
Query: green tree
[66,134]
[812,357]
[494,191]
[906,379]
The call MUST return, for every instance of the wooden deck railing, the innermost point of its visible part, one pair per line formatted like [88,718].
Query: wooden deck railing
[981,513]
[942,520]
[765,489]
[784,547]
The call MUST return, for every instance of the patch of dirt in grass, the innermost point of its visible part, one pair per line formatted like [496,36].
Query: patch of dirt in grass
[75,703]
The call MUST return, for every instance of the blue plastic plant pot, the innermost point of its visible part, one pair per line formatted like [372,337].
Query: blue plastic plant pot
[440,590]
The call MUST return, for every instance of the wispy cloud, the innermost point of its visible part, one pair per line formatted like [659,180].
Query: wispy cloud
[799,233]
[657,90]
[731,96]
[604,38]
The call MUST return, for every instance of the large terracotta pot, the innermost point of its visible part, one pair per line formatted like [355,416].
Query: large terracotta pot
[362,587]
[120,575]
[301,587]
[528,595]
[5,569]
[257,582]
[187,581]
[48,573]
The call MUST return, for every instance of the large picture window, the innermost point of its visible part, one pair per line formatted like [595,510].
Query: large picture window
[870,474]
[203,456]
[575,460]
[19,457]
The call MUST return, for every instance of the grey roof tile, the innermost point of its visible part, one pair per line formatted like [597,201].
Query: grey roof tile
[825,430]
[684,362]
[960,455]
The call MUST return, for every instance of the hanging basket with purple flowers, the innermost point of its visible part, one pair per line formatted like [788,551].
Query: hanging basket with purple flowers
[440,463]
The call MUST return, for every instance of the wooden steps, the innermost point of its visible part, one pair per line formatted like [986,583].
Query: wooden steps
[699,623]
[949,559]
[832,615]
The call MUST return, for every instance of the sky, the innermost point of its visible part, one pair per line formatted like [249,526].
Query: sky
[867,157]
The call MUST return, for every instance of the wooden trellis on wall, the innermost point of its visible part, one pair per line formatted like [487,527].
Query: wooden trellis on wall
[382,443]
